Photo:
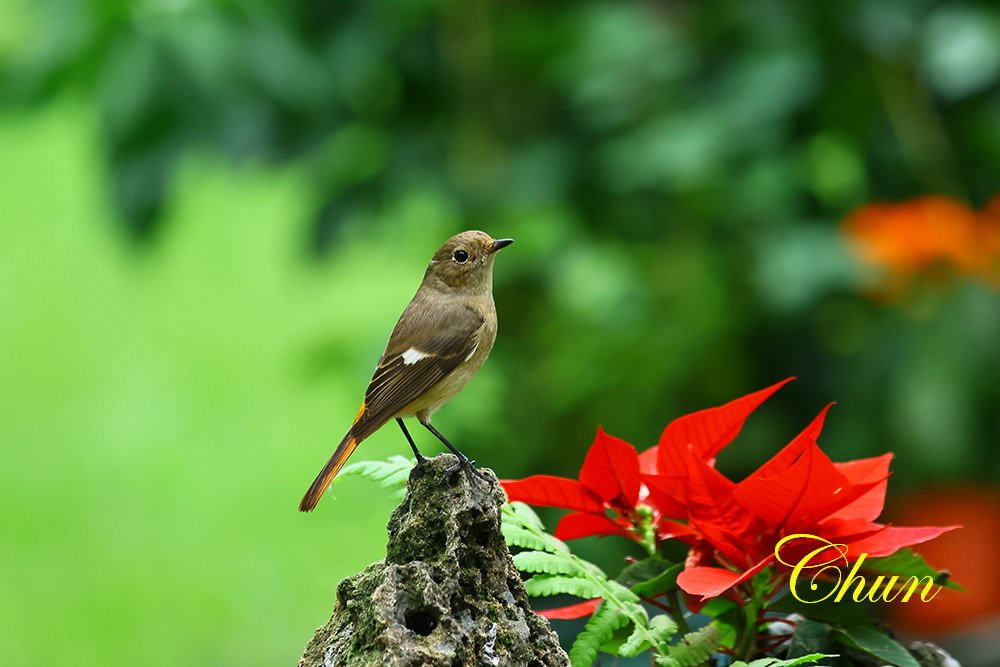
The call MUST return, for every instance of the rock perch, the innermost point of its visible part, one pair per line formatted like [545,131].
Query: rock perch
[447,592]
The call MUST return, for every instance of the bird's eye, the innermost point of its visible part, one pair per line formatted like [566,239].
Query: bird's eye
[460,256]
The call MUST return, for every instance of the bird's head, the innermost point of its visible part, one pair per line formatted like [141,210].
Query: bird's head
[465,262]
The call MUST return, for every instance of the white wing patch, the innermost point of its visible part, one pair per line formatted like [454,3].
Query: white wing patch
[473,352]
[413,355]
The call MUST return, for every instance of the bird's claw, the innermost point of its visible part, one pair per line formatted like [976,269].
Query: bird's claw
[469,467]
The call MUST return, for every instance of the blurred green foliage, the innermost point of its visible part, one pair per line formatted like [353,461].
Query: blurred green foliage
[212,213]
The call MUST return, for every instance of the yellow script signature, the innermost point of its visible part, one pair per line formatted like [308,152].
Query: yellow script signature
[824,562]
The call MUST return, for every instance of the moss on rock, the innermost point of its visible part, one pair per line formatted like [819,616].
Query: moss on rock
[447,592]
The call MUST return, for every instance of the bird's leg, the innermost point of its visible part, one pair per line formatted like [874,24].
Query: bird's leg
[468,464]
[413,446]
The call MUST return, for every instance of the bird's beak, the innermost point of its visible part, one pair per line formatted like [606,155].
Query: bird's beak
[500,243]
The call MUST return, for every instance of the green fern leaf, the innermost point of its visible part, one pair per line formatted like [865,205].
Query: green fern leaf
[516,536]
[598,631]
[695,647]
[622,593]
[392,474]
[389,474]
[663,628]
[555,584]
[637,642]
[545,563]
[522,528]
[525,514]
[777,662]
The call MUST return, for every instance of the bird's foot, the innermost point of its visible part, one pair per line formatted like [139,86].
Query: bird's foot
[468,466]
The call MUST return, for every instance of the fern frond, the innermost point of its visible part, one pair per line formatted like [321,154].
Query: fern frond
[390,474]
[598,631]
[525,514]
[555,584]
[636,643]
[558,571]
[540,562]
[522,528]
[517,536]
[777,662]
[663,628]
[695,647]
[622,593]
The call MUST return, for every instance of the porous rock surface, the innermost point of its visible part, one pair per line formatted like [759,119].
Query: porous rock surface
[447,592]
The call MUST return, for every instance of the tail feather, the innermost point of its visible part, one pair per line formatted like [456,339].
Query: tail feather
[329,471]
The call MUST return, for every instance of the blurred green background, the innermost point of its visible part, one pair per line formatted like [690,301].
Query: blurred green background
[211,214]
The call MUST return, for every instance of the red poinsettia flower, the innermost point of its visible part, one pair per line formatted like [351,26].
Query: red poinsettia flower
[799,491]
[620,492]
[683,461]
[616,483]
[604,499]
[672,490]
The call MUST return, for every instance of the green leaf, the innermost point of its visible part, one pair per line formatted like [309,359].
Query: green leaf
[906,563]
[651,580]
[622,593]
[525,514]
[847,612]
[636,643]
[517,536]
[552,584]
[727,616]
[642,570]
[663,628]
[545,563]
[620,636]
[718,606]
[522,528]
[796,662]
[876,643]
[695,647]
[809,637]
[727,631]
[390,474]
[777,662]
[598,631]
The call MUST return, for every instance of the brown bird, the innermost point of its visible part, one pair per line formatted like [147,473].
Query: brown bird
[440,341]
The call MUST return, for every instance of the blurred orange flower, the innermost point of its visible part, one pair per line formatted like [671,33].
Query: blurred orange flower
[928,235]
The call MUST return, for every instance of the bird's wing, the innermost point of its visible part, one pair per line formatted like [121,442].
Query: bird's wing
[427,344]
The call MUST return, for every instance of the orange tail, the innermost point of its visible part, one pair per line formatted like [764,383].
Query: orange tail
[329,471]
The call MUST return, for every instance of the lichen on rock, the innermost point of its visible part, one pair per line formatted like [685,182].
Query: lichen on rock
[447,592]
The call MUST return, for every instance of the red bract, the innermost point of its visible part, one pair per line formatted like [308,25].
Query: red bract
[707,432]
[572,611]
[799,491]
[687,485]
[673,491]
[615,481]
[603,500]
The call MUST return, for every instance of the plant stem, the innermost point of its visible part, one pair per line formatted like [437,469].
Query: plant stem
[676,611]
[659,605]
[746,640]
